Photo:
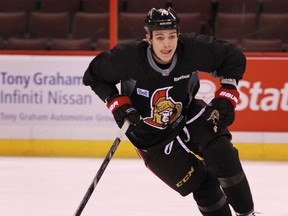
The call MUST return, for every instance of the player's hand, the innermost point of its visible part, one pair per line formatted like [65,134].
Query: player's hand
[122,109]
[220,112]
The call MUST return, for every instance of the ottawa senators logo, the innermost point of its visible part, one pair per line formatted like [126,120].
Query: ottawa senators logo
[164,110]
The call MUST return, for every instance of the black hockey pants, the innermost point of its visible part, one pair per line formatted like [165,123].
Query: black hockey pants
[221,160]
[176,164]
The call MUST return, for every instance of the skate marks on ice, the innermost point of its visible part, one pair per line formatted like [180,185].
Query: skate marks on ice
[55,186]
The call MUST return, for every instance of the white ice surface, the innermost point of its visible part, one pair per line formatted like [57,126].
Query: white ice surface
[55,187]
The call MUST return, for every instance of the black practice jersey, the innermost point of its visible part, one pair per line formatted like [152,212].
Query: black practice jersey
[162,95]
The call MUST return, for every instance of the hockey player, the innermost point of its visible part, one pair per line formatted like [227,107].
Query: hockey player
[184,141]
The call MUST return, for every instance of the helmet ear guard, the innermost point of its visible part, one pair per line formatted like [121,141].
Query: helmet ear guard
[158,19]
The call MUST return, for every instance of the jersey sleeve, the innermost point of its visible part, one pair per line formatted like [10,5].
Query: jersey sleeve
[107,69]
[217,57]
[228,61]
[98,77]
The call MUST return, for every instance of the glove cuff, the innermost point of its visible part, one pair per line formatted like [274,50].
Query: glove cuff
[229,81]
[118,102]
[230,94]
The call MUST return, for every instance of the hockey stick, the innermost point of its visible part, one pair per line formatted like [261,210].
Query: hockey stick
[102,169]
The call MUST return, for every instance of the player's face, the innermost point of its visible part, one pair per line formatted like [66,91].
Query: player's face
[164,43]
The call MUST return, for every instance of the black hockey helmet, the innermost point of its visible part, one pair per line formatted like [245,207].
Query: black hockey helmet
[161,19]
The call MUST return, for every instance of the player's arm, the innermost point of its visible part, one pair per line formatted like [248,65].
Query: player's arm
[103,74]
[227,62]
[100,76]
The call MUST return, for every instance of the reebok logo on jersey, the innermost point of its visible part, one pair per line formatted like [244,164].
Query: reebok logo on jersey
[176,79]
[143,92]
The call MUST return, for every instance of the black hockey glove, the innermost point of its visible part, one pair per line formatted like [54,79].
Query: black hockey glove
[122,109]
[220,112]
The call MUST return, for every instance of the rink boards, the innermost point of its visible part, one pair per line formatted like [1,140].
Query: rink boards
[46,110]
[72,148]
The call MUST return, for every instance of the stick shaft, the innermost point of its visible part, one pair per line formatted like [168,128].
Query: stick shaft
[97,177]
[101,169]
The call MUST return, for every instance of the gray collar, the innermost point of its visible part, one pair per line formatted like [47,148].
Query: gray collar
[164,72]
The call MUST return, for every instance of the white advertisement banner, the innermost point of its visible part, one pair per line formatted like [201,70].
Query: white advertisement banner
[43,97]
